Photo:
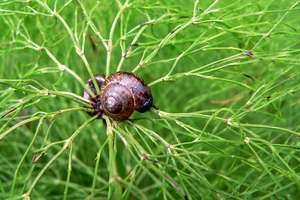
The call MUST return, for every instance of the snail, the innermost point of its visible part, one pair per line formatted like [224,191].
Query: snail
[124,92]
[120,94]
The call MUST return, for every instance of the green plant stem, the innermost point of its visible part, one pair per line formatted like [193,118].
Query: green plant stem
[111,34]
[97,166]
[92,25]
[69,172]
[43,144]
[126,53]
[162,44]
[45,91]
[77,48]
[78,51]
[18,125]
[68,142]
[275,25]
[24,156]
[61,67]
[33,118]
[18,110]
[114,191]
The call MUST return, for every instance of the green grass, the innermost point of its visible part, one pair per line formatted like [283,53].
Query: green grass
[228,124]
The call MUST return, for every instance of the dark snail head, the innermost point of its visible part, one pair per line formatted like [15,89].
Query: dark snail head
[124,92]
[94,101]
[100,78]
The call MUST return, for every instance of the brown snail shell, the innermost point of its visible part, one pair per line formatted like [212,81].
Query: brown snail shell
[124,92]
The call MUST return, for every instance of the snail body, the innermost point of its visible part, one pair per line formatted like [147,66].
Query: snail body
[94,101]
[120,94]
[100,78]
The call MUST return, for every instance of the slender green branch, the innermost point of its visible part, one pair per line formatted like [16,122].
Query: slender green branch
[93,26]
[114,189]
[60,66]
[69,171]
[67,144]
[97,166]
[275,25]
[77,48]
[80,53]
[111,34]
[127,52]
[33,118]
[24,156]
[18,125]
[162,44]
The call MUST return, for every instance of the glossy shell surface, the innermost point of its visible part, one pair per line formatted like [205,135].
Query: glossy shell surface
[140,93]
[117,101]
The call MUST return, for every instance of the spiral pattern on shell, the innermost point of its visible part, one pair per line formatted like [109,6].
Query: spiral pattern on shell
[117,101]
[124,92]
